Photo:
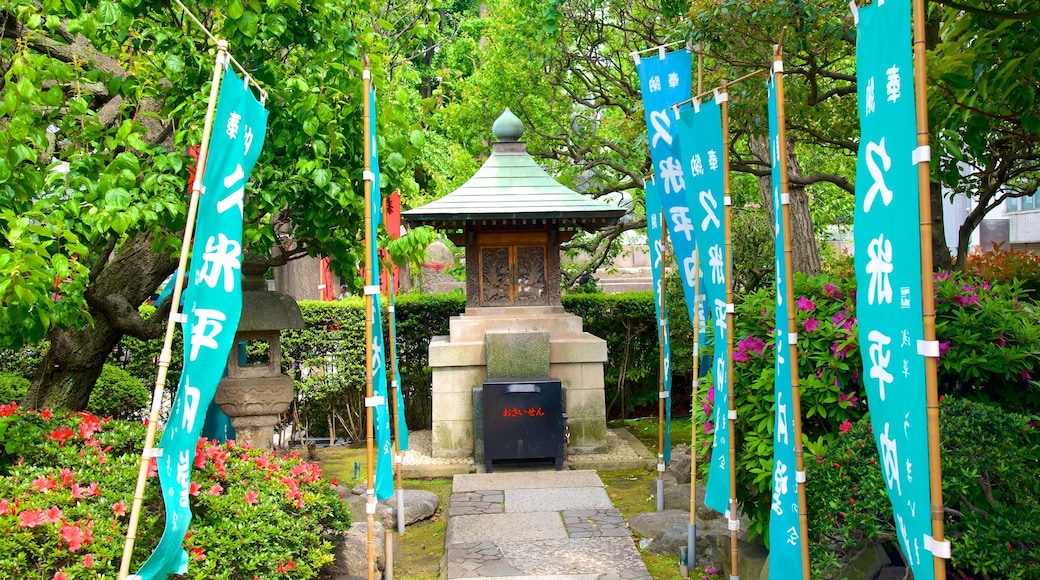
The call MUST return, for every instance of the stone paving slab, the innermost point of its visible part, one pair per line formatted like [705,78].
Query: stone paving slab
[525,480]
[556,499]
[507,527]
[555,526]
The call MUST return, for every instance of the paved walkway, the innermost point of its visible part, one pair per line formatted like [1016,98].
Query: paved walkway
[538,525]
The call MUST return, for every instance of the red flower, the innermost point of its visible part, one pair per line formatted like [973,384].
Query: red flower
[31,519]
[198,554]
[60,435]
[119,508]
[193,489]
[46,414]
[88,425]
[53,514]
[73,536]
[67,477]
[60,575]
[252,497]
[77,491]
[88,561]
[92,489]
[8,410]
[845,426]
[285,567]
[44,484]
[4,507]
[216,489]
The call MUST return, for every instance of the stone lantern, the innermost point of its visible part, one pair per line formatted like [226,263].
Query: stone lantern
[511,218]
[256,392]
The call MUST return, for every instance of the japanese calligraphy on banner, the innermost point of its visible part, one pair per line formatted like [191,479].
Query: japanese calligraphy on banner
[785,552]
[700,137]
[384,476]
[665,80]
[655,237]
[888,270]
[212,306]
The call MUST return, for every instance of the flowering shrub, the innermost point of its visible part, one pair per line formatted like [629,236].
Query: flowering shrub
[991,480]
[990,351]
[66,488]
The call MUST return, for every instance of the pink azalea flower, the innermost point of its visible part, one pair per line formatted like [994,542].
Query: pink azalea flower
[832,291]
[193,489]
[850,397]
[810,324]
[119,508]
[60,435]
[53,514]
[31,519]
[943,347]
[88,561]
[60,575]
[252,497]
[216,489]
[46,414]
[4,507]
[73,536]
[740,356]
[1000,339]
[708,426]
[66,476]
[805,303]
[43,484]
[845,426]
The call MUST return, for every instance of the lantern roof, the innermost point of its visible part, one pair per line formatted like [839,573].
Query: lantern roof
[512,189]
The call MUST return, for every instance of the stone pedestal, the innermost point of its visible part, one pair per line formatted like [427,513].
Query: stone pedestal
[255,406]
[459,362]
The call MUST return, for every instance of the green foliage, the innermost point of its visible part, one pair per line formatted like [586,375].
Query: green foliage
[989,343]
[627,322]
[65,501]
[12,387]
[990,477]
[118,395]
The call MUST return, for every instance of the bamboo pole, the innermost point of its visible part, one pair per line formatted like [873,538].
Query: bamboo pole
[393,397]
[731,399]
[691,536]
[928,291]
[370,507]
[796,396]
[175,316]
[660,373]
[691,531]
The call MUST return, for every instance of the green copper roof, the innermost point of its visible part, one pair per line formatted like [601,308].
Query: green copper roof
[511,188]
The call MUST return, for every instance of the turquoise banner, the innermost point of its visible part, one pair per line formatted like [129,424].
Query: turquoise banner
[384,476]
[700,136]
[655,237]
[665,79]
[785,539]
[212,307]
[888,271]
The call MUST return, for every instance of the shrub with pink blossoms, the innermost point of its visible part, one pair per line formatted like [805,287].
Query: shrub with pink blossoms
[67,481]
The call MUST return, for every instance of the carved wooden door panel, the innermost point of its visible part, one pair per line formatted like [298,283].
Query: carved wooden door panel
[513,276]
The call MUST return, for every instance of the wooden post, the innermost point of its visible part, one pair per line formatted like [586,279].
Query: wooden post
[928,289]
[731,399]
[370,507]
[175,316]
[660,375]
[796,396]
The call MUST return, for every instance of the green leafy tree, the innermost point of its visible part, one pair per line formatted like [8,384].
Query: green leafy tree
[100,104]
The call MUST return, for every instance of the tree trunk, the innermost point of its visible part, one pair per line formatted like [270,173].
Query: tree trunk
[805,253]
[76,356]
[941,259]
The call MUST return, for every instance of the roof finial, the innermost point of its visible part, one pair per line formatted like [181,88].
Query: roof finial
[508,127]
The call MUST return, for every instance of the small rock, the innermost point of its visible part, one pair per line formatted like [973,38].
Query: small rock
[352,553]
[679,467]
[418,505]
[649,523]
